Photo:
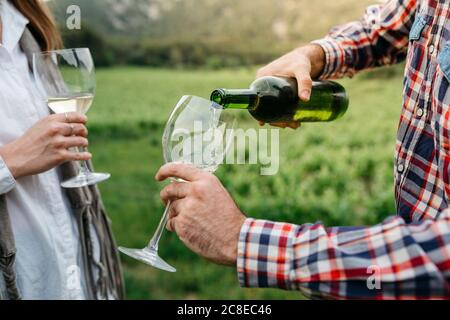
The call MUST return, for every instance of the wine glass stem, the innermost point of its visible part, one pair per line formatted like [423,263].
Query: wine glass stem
[154,242]
[84,169]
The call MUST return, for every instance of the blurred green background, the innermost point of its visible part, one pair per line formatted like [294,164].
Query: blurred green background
[153,52]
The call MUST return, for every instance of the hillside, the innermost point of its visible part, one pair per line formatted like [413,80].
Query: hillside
[259,22]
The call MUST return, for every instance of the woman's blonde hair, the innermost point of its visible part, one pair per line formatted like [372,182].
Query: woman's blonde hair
[42,24]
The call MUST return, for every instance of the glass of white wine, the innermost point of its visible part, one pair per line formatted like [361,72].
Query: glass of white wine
[67,79]
[198,133]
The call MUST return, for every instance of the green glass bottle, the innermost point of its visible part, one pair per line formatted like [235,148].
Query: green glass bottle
[275,99]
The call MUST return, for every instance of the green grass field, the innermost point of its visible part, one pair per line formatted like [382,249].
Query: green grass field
[339,173]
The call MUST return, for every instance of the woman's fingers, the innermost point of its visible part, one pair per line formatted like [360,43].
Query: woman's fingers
[75,156]
[80,130]
[57,125]
[69,117]
[75,129]
[73,142]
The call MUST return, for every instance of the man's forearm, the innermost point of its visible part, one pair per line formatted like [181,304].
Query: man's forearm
[390,260]
[379,38]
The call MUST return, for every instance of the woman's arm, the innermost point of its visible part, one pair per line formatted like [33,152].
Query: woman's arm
[43,147]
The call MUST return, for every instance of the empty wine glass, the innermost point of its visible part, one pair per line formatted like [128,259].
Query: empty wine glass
[200,133]
[67,79]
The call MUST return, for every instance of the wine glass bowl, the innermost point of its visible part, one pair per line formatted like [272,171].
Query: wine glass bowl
[197,133]
[67,80]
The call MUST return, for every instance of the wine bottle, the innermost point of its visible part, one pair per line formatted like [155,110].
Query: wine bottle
[275,99]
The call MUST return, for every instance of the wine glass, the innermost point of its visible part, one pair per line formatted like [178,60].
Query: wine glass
[198,133]
[67,79]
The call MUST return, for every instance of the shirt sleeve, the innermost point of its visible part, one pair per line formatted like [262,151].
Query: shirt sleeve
[392,260]
[7,181]
[380,38]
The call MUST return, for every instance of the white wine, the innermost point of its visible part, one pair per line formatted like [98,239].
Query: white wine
[79,103]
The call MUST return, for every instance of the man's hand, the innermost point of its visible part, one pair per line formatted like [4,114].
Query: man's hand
[203,214]
[304,64]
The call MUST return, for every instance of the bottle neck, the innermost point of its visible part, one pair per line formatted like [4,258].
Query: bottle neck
[235,99]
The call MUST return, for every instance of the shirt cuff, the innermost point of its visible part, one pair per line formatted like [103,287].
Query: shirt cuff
[336,59]
[265,254]
[7,181]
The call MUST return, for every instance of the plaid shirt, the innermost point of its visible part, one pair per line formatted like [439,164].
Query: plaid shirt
[407,256]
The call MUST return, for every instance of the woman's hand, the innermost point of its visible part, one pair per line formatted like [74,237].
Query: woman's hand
[303,64]
[45,145]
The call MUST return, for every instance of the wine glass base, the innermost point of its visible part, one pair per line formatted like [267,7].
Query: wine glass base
[149,257]
[85,179]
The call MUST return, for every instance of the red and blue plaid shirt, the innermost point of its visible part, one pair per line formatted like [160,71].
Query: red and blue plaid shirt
[407,256]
